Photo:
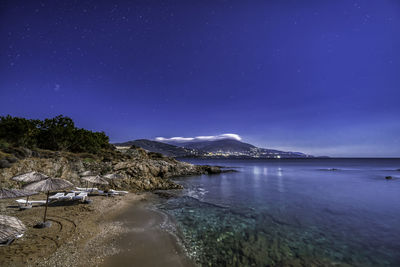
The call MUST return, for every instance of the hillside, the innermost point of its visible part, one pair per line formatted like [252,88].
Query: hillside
[225,145]
[227,148]
[163,148]
[57,148]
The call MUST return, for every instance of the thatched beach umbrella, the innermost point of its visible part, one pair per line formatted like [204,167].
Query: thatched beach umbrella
[13,193]
[10,228]
[113,176]
[86,173]
[50,184]
[29,177]
[95,180]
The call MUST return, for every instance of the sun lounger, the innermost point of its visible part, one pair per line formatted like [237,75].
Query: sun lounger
[81,196]
[10,240]
[95,192]
[112,191]
[23,201]
[23,204]
[86,189]
[68,196]
[40,202]
[57,196]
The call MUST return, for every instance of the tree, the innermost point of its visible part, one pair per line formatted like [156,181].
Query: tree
[19,131]
[58,133]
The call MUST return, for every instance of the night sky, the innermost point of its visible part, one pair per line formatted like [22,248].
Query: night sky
[320,77]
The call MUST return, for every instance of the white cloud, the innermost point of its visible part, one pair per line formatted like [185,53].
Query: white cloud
[202,138]
[178,139]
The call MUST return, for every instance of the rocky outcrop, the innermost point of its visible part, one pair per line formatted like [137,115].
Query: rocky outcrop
[141,171]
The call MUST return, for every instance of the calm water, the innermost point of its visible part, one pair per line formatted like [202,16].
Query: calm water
[291,212]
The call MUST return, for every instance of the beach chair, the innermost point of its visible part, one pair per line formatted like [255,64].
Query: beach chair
[68,196]
[81,196]
[115,192]
[23,201]
[39,202]
[95,191]
[57,196]
[86,189]
[23,204]
[9,240]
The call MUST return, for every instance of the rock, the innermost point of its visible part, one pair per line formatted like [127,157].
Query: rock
[213,169]
[142,171]
[388,177]
[4,163]
[11,159]
[35,154]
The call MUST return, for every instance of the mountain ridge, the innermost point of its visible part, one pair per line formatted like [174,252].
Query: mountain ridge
[226,148]
[159,147]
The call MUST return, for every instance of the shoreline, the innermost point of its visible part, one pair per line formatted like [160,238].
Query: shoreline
[88,235]
[147,237]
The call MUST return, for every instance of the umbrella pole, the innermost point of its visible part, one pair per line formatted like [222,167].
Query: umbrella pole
[45,210]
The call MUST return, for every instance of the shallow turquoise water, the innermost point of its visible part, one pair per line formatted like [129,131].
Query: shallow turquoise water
[291,212]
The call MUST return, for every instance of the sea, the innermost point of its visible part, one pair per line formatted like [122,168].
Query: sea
[290,212]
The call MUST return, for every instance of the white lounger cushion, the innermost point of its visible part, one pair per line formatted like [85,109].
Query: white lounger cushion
[57,196]
[68,196]
[81,196]
[86,189]
[118,192]
[38,201]
[23,201]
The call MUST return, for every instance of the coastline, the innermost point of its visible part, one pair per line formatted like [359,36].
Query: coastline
[85,235]
[147,238]
[91,235]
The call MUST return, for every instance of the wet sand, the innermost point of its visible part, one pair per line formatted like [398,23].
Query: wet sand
[111,231]
[144,240]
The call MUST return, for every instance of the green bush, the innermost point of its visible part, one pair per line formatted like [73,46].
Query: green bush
[57,134]
[4,144]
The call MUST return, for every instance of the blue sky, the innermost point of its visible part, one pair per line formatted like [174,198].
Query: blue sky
[320,77]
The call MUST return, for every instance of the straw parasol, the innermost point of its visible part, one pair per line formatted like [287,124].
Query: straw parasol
[10,228]
[30,177]
[95,180]
[86,173]
[113,176]
[13,193]
[47,185]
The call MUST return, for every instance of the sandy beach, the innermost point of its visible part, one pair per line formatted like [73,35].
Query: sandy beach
[92,234]
[146,239]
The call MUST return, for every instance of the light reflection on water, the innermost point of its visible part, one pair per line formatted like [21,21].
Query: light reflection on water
[293,212]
